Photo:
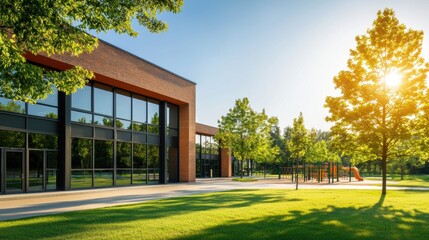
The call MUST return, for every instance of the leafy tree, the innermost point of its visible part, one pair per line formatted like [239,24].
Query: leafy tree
[243,131]
[299,140]
[59,27]
[376,113]
[407,153]
[287,136]
[267,150]
[317,152]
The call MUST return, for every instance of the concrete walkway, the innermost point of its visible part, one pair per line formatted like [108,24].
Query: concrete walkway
[17,206]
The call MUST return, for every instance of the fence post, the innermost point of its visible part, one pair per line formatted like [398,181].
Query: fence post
[296,175]
[303,172]
[338,170]
[318,172]
[329,172]
[350,171]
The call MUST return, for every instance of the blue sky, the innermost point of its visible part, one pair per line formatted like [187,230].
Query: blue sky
[280,54]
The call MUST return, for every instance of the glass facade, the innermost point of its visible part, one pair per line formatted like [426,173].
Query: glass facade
[47,108]
[115,141]
[207,156]
[136,120]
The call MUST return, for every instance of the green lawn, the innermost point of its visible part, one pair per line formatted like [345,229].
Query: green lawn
[409,180]
[244,179]
[243,214]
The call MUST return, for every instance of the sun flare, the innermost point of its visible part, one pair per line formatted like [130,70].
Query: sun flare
[393,79]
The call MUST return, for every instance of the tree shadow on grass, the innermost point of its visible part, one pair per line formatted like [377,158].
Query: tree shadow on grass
[66,224]
[375,222]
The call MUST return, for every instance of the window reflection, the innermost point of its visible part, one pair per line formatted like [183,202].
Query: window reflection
[12,139]
[52,99]
[123,155]
[81,117]
[103,121]
[82,99]
[153,113]
[42,141]
[12,106]
[81,153]
[123,124]
[103,100]
[139,156]
[123,105]
[42,111]
[139,109]
[103,154]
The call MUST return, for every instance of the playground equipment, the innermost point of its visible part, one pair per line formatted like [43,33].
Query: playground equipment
[355,172]
[320,172]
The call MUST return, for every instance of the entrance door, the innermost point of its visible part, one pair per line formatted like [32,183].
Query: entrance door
[36,170]
[14,171]
[42,170]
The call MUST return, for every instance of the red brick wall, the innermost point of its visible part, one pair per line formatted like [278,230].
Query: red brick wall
[206,130]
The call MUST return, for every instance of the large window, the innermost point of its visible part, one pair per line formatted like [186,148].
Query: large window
[47,108]
[81,174]
[140,171]
[12,139]
[134,120]
[12,106]
[153,116]
[172,120]
[99,104]
[207,157]
[123,163]
[123,110]
[153,163]
[82,99]
[103,161]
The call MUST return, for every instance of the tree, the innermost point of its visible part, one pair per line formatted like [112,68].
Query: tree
[243,131]
[407,153]
[370,107]
[299,140]
[59,27]
[268,150]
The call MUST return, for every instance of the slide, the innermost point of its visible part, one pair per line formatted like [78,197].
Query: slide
[355,172]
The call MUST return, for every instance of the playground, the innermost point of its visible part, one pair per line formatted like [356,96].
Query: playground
[302,172]
[329,172]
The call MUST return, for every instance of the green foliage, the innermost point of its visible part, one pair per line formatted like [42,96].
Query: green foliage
[374,114]
[59,27]
[299,140]
[246,133]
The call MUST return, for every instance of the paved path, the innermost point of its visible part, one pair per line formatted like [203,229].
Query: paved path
[35,204]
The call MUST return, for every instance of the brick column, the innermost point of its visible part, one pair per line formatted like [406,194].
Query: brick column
[225,163]
[187,143]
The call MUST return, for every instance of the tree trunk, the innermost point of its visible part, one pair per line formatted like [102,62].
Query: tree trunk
[242,168]
[264,169]
[402,171]
[383,165]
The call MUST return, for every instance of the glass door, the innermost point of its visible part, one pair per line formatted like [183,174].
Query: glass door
[14,171]
[43,170]
[51,173]
[36,170]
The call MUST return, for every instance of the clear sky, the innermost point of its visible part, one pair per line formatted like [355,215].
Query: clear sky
[280,54]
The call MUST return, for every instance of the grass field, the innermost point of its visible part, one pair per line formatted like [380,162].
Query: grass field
[244,179]
[243,214]
[409,180]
